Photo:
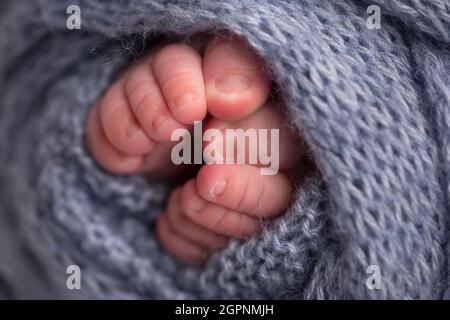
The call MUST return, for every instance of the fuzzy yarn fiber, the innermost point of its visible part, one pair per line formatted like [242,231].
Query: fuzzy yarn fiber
[373,105]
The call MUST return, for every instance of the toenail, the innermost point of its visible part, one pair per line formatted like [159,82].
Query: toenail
[233,83]
[184,99]
[158,121]
[217,188]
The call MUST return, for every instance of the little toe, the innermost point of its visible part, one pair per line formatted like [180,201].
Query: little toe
[236,81]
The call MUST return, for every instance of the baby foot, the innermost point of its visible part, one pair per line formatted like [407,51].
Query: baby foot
[129,128]
[226,201]
[129,131]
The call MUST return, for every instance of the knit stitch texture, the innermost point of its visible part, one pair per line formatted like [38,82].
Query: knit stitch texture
[373,105]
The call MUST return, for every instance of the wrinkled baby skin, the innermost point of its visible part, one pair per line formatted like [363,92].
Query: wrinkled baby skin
[130,131]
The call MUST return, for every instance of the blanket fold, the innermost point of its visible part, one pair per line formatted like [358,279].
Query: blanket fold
[373,106]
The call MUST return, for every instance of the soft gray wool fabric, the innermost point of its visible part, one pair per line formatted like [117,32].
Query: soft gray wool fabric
[373,105]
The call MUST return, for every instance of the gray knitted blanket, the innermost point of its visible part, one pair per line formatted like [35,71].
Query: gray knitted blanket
[373,105]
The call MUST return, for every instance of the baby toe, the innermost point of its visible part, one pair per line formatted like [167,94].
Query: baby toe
[120,126]
[242,188]
[178,246]
[216,218]
[104,153]
[236,81]
[178,71]
[190,230]
[148,103]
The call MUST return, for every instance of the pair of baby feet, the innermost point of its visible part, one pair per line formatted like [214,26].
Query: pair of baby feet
[129,131]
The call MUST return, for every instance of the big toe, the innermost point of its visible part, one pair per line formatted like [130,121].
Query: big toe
[236,82]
